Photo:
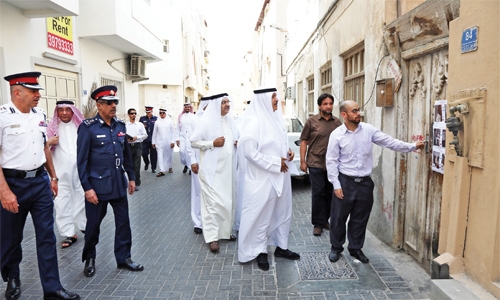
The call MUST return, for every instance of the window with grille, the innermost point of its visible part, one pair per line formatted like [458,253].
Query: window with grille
[326,78]
[354,75]
[310,96]
[301,112]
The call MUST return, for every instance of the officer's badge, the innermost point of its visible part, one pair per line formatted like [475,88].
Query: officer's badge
[112,93]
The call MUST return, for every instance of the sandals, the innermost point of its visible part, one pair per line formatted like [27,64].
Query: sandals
[170,170]
[68,241]
[160,174]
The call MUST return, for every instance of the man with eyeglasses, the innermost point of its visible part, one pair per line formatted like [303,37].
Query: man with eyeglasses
[103,158]
[349,162]
[216,136]
[136,133]
[164,142]
[149,153]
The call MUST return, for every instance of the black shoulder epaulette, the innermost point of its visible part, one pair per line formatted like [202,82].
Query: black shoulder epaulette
[90,121]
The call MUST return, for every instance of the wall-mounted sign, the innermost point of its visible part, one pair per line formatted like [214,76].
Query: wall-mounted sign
[60,34]
[469,39]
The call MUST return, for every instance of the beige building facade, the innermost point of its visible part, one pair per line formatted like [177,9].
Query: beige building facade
[469,239]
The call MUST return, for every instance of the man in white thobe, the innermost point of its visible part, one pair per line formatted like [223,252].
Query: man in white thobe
[70,201]
[267,200]
[216,137]
[185,126]
[194,158]
[164,141]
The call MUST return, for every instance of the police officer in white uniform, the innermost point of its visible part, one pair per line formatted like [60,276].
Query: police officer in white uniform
[24,187]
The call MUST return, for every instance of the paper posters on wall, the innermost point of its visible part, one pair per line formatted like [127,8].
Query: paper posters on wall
[439,135]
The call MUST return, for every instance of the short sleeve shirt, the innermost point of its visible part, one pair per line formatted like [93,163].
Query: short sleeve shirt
[22,138]
[317,131]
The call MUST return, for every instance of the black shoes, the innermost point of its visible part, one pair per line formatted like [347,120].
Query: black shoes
[359,255]
[13,290]
[61,295]
[153,170]
[198,230]
[130,265]
[185,169]
[285,253]
[146,167]
[334,256]
[89,269]
[262,262]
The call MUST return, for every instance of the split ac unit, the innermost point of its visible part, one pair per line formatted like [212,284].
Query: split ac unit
[137,66]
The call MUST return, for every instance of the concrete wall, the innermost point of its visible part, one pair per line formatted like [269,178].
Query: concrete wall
[470,226]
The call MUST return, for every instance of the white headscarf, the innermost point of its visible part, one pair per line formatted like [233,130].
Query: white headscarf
[209,129]
[267,128]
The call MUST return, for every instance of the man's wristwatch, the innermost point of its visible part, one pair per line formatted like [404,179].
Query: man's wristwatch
[54,179]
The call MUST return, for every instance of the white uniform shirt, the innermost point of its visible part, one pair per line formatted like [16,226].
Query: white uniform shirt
[350,152]
[22,138]
[136,129]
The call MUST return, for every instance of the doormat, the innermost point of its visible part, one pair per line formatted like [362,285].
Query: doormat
[317,266]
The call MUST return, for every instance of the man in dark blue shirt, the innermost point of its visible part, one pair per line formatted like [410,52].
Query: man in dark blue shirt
[103,158]
[148,152]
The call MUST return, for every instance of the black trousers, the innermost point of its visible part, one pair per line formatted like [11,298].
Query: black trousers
[321,196]
[149,152]
[123,234]
[34,197]
[136,150]
[357,205]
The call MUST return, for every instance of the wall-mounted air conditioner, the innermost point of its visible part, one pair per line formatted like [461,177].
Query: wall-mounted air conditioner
[137,66]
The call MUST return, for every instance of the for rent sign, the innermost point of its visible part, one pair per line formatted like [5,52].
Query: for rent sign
[60,34]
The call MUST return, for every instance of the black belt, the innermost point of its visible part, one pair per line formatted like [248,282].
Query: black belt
[23,174]
[135,144]
[356,179]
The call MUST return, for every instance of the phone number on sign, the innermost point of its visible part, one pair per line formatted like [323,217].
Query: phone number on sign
[60,44]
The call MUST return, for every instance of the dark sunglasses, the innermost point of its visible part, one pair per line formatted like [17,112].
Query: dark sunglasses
[108,102]
[162,113]
[133,113]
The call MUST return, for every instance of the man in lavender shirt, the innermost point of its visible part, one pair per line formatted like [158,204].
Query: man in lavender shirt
[349,162]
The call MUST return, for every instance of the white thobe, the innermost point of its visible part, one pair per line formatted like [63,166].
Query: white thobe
[265,216]
[163,136]
[70,201]
[194,158]
[217,198]
[186,127]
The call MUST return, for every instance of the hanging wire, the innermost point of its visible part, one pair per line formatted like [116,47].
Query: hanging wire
[375,81]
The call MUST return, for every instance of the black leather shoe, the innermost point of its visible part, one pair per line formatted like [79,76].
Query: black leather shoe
[185,169]
[153,170]
[262,262]
[132,266]
[146,167]
[61,295]
[285,253]
[13,290]
[198,230]
[334,256]
[359,255]
[89,269]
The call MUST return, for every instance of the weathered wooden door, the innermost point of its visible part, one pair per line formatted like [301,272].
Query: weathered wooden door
[427,83]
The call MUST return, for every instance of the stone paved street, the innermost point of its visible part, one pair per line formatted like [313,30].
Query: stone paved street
[178,264]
